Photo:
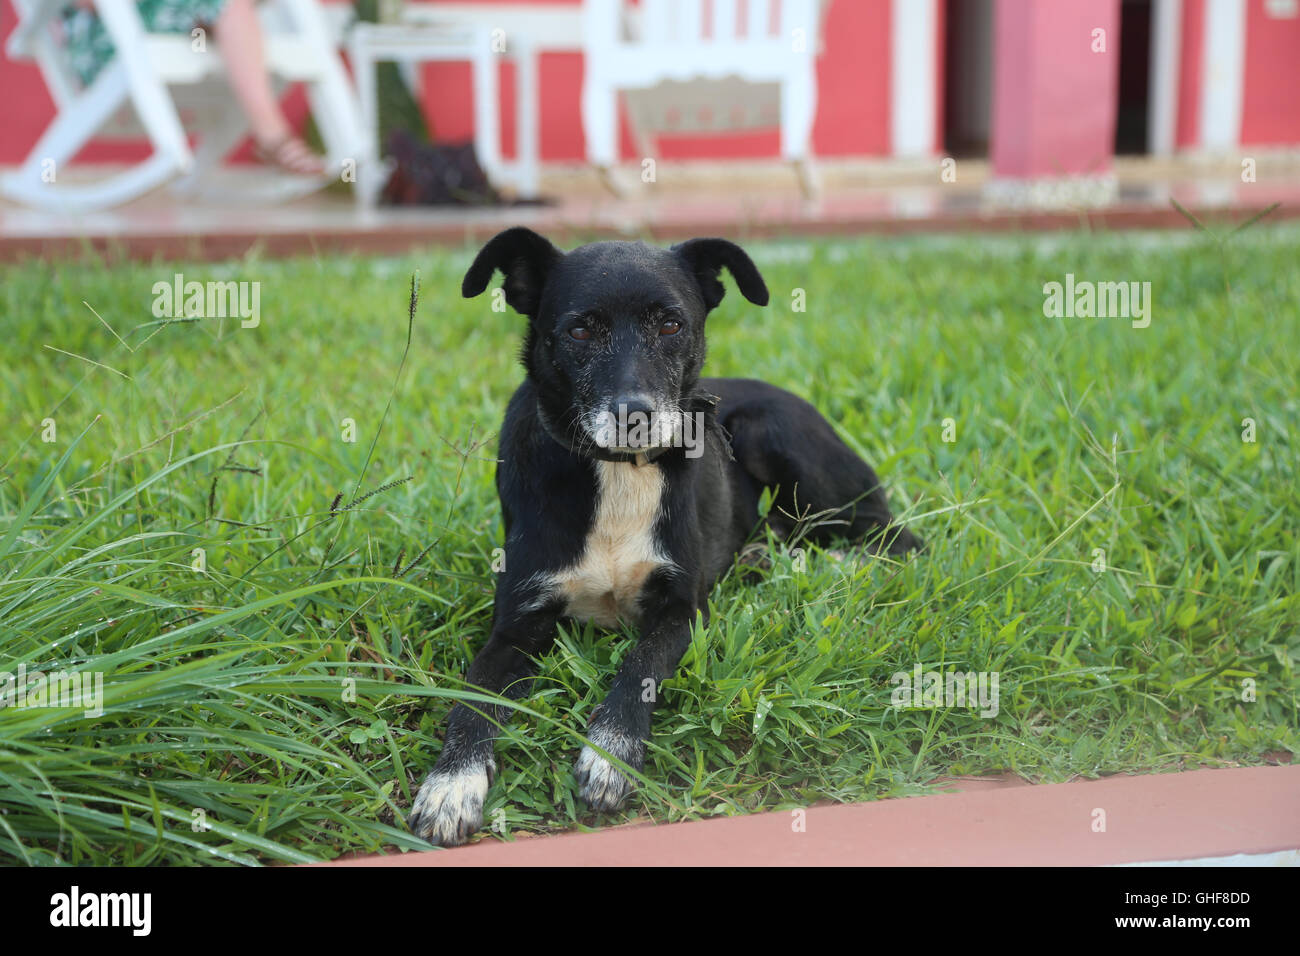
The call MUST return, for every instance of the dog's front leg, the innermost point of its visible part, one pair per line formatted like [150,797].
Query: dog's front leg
[621,725]
[449,806]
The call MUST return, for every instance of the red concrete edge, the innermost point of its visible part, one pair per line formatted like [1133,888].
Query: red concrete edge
[1169,816]
[394,239]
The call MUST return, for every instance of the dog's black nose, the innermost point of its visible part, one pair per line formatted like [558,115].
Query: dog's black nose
[632,409]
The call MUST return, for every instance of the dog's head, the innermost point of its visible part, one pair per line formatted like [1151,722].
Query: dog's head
[615,340]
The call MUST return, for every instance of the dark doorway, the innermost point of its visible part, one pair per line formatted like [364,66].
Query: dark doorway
[968,77]
[1134,114]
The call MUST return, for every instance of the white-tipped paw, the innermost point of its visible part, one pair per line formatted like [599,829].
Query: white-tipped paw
[601,785]
[449,806]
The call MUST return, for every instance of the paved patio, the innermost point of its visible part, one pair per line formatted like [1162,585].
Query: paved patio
[738,199]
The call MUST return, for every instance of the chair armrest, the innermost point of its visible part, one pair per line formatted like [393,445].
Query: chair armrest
[33,15]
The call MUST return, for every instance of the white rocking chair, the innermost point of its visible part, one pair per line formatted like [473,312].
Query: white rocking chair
[682,74]
[144,88]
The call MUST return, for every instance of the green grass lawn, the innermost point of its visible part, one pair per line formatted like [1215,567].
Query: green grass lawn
[278,694]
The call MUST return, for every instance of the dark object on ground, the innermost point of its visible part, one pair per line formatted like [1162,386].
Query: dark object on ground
[439,174]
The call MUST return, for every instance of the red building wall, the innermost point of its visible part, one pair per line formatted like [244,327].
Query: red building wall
[852,115]
[854,95]
[1054,95]
[1187,133]
[1270,110]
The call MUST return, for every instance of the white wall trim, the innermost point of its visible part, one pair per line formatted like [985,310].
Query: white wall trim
[1166,40]
[913,98]
[1223,74]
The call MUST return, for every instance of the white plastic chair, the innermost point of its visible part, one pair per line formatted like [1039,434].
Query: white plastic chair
[684,74]
[147,84]
[420,42]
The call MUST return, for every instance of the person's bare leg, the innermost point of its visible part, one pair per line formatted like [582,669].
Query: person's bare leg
[239,42]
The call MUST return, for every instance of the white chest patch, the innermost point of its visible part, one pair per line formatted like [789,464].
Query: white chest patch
[620,551]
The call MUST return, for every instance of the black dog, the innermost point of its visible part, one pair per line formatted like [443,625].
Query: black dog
[628,484]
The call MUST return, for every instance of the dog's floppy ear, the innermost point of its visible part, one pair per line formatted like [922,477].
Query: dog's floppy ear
[523,257]
[706,257]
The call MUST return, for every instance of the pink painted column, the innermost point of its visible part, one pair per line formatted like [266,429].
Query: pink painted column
[1055,85]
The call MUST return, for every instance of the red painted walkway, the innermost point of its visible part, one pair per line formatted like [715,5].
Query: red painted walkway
[1174,816]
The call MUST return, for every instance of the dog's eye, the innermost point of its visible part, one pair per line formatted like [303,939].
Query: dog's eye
[671,327]
[580,332]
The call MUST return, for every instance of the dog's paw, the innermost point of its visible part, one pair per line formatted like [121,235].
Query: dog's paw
[449,806]
[601,785]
